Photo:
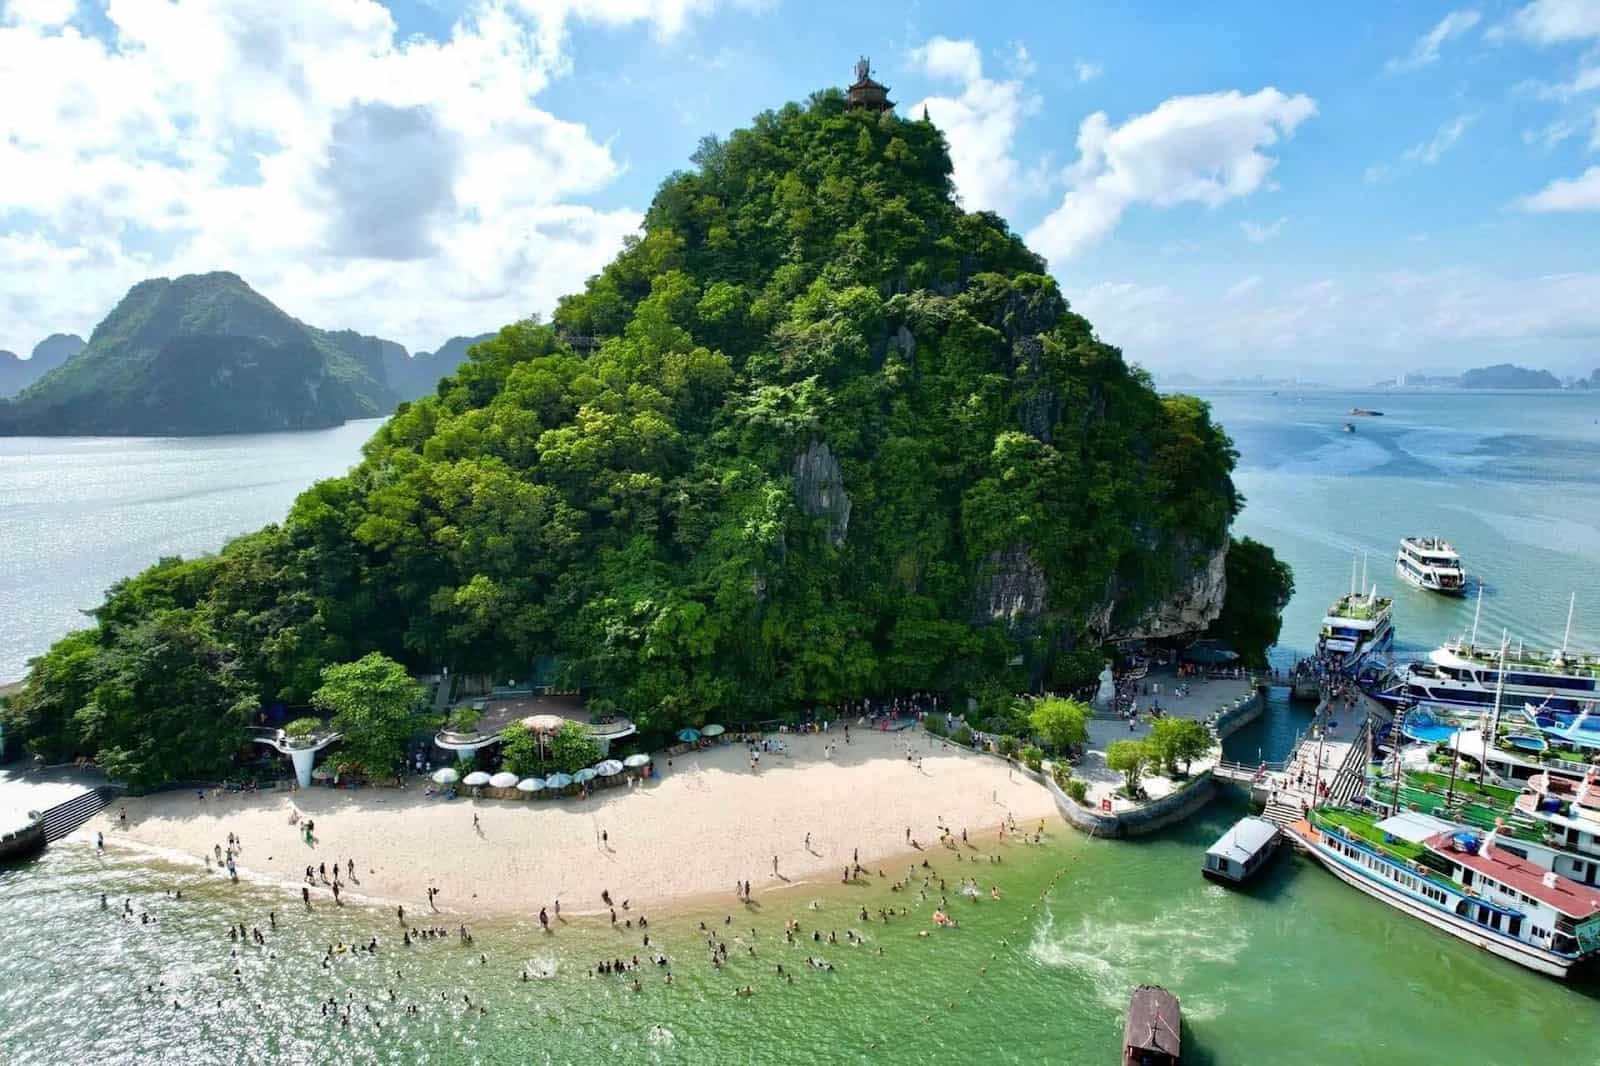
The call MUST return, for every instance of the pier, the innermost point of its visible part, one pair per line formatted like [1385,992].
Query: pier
[1328,764]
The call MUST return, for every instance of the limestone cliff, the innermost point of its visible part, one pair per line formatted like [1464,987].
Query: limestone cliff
[819,489]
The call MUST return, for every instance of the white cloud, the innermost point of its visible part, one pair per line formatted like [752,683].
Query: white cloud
[1086,71]
[1190,149]
[1551,135]
[1474,318]
[1426,50]
[1020,63]
[1557,21]
[404,186]
[1567,194]
[1262,232]
[1442,141]
[1244,286]
[980,125]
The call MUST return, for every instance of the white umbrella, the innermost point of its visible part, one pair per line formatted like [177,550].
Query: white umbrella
[477,777]
[633,762]
[446,776]
[503,780]
[531,784]
[584,776]
[558,780]
[712,730]
[608,768]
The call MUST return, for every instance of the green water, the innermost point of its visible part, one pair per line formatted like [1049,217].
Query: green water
[1296,968]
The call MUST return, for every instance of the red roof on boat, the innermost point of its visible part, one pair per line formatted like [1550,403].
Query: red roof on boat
[1567,896]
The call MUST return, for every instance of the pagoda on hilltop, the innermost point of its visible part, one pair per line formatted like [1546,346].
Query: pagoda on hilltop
[865,93]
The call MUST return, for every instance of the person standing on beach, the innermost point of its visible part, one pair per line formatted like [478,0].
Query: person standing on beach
[774,866]
[305,896]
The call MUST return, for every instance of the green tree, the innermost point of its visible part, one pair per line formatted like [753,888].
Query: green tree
[374,704]
[572,747]
[302,728]
[519,750]
[170,705]
[1060,722]
[1259,588]
[1128,757]
[1178,740]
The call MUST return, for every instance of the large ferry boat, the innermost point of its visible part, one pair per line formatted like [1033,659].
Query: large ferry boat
[1462,882]
[1430,564]
[1357,626]
[1460,679]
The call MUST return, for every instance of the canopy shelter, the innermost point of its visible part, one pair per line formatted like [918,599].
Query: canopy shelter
[688,736]
[633,762]
[446,776]
[544,723]
[584,776]
[558,781]
[608,768]
[476,779]
[503,780]
[531,784]
[712,730]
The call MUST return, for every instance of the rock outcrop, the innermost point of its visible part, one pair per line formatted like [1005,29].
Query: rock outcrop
[1193,604]
[1015,591]
[819,489]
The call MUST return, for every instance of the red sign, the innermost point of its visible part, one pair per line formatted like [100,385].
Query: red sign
[1105,804]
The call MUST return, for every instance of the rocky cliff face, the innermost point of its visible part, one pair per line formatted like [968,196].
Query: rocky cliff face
[1189,608]
[1015,590]
[819,488]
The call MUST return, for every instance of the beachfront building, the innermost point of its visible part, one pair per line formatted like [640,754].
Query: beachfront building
[481,723]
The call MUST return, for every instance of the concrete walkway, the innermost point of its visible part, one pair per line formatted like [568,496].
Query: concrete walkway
[1204,699]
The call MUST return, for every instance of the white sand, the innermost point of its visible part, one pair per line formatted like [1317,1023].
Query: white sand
[689,834]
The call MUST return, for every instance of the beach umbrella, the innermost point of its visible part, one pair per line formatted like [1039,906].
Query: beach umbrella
[608,768]
[558,781]
[531,784]
[688,736]
[584,776]
[543,723]
[712,730]
[503,780]
[322,773]
[476,778]
[446,776]
[633,762]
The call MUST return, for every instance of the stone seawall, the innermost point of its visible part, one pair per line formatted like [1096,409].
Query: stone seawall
[1154,815]
[1235,718]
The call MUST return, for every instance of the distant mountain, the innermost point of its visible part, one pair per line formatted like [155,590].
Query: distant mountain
[201,354]
[17,373]
[415,376]
[1506,376]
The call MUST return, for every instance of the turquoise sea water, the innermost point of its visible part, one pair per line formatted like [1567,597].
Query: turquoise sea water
[79,513]
[1295,969]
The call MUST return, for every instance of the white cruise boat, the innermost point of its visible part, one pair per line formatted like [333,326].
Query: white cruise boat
[1459,680]
[1356,626]
[1462,882]
[1430,564]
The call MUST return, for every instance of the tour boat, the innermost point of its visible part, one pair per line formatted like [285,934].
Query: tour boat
[1152,1035]
[1357,626]
[1366,412]
[1462,882]
[1461,678]
[1430,564]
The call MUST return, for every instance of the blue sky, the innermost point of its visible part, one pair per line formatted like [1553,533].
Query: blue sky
[1334,191]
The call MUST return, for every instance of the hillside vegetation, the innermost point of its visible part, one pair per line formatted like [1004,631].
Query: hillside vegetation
[815,433]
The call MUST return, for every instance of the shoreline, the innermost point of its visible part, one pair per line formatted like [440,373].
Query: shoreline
[676,844]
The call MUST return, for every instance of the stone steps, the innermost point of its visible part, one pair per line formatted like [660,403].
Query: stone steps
[63,818]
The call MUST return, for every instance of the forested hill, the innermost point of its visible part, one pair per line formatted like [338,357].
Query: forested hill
[17,374]
[816,432]
[204,353]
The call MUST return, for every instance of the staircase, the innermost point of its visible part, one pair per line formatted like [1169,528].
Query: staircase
[63,818]
[1352,775]
[1281,813]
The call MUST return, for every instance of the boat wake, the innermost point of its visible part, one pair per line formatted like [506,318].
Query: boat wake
[1169,948]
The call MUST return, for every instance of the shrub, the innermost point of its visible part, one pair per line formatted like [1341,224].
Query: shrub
[1009,745]
[963,736]
[464,719]
[1032,757]
[302,728]
[936,725]
[1078,789]
[1060,723]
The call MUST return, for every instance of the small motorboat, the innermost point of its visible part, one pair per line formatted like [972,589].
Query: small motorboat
[1366,412]
[1349,427]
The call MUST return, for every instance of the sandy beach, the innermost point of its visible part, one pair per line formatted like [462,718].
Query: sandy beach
[690,834]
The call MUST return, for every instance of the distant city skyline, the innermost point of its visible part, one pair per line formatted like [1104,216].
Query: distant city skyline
[1231,189]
